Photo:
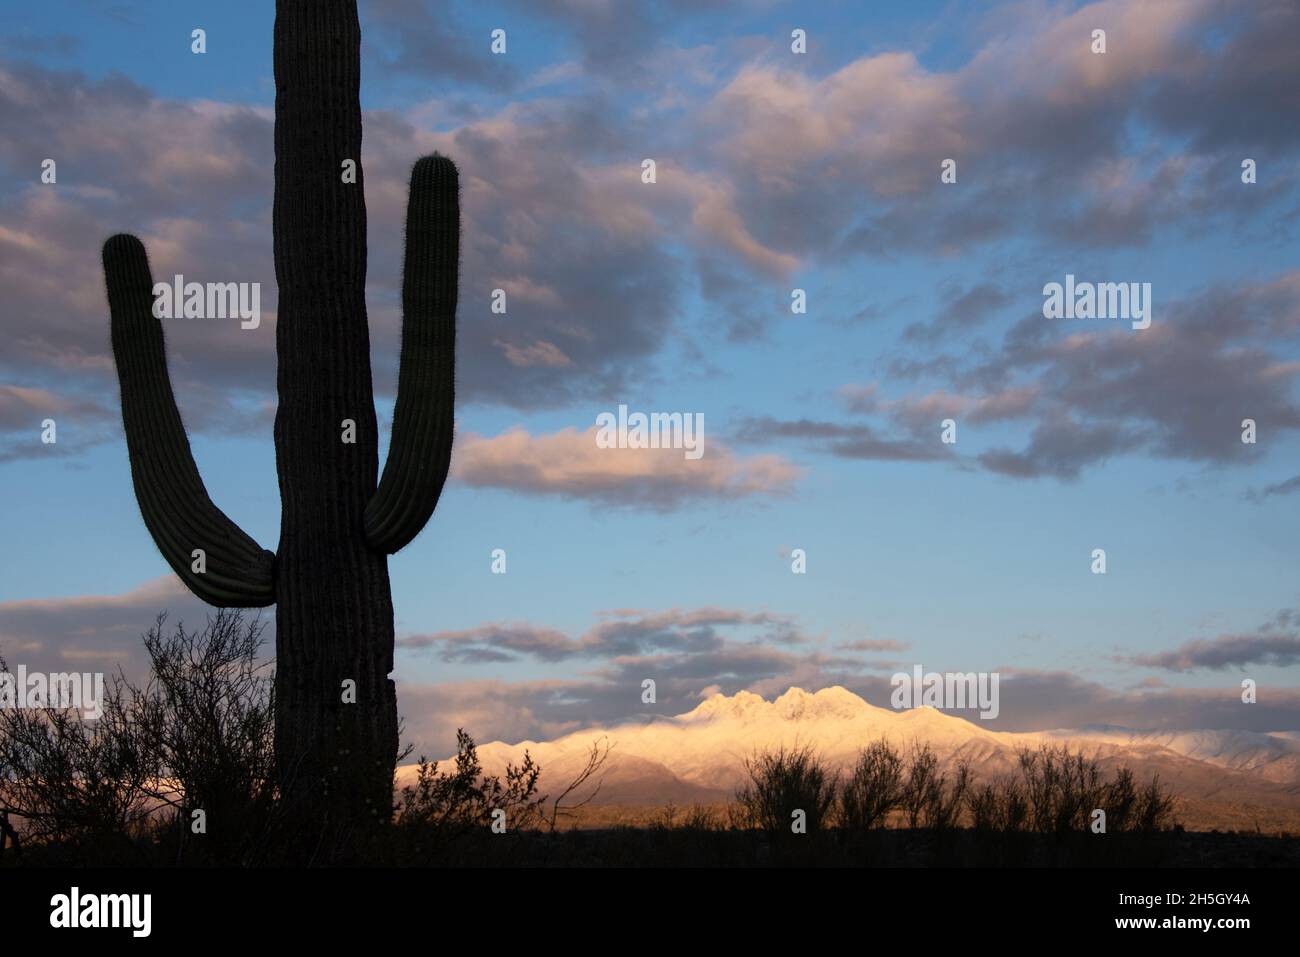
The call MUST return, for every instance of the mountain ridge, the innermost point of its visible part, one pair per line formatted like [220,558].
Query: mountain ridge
[699,755]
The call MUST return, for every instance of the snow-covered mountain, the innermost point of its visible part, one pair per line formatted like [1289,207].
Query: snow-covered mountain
[699,755]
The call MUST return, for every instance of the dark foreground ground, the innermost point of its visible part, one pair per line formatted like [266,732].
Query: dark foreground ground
[688,847]
[627,847]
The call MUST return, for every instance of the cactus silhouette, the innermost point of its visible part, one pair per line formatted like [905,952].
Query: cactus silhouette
[329,577]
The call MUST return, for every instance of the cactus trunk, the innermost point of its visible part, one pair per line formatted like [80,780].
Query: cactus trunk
[334,611]
[336,710]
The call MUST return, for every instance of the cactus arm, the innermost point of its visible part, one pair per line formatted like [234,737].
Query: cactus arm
[173,501]
[423,418]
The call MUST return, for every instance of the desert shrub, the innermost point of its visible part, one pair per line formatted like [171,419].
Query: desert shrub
[196,736]
[697,817]
[872,788]
[1120,800]
[64,778]
[586,784]
[444,808]
[1061,788]
[929,797]
[946,797]
[998,806]
[1057,791]
[1130,809]
[700,817]
[782,782]
[922,769]
[669,817]
[982,805]
[1156,809]
[205,721]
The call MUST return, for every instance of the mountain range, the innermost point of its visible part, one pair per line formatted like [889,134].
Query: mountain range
[1224,779]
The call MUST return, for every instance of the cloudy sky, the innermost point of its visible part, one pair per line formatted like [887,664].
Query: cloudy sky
[775,171]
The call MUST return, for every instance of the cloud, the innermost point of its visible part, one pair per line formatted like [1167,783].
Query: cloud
[1219,356]
[418,39]
[535,354]
[1060,446]
[963,309]
[554,213]
[626,43]
[623,633]
[495,642]
[79,422]
[845,441]
[1043,700]
[1275,644]
[874,645]
[194,179]
[105,630]
[764,168]
[569,464]
[1287,487]
[1038,124]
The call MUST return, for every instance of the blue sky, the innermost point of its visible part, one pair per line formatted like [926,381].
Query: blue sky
[775,171]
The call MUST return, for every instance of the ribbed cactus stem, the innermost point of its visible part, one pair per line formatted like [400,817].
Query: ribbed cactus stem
[336,729]
[424,415]
[173,500]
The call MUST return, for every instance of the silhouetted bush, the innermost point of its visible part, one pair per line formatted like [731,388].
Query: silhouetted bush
[1156,809]
[1047,813]
[197,737]
[999,806]
[782,782]
[69,780]
[1133,810]
[929,797]
[182,770]
[443,808]
[1062,788]
[872,788]
[205,721]
[697,817]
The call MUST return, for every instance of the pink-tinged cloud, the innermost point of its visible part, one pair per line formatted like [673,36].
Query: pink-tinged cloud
[620,633]
[24,407]
[539,353]
[570,464]
[884,113]
[868,644]
[93,628]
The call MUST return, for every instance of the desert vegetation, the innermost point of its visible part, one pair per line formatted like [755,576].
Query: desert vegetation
[1058,809]
[181,770]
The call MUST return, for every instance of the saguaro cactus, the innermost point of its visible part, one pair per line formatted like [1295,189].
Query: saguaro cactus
[329,577]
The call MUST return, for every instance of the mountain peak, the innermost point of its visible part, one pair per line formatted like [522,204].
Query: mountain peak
[793,705]
[739,705]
